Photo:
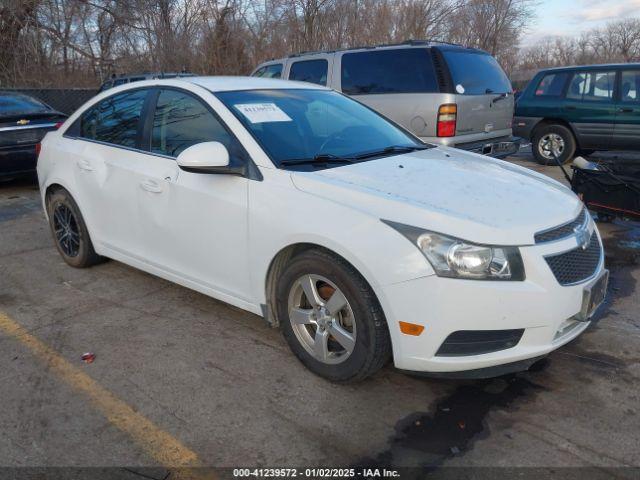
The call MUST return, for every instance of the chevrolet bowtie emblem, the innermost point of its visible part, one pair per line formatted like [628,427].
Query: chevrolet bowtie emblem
[583,237]
[24,121]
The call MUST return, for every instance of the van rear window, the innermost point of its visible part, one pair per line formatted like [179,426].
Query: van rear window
[476,73]
[408,70]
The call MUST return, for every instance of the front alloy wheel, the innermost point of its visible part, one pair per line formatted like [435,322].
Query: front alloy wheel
[330,317]
[322,319]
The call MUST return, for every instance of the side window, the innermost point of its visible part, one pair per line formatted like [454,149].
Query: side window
[269,71]
[180,120]
[592,86]
[115,120]
[314,71]
[408,70]
[551,85]
[630,86]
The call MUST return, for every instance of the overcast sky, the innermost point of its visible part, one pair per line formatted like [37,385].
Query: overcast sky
[570,17]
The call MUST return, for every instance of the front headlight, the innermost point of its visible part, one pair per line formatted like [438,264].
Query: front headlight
[452,257]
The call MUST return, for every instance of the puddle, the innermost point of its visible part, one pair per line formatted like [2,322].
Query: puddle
[622,244]
[425,440]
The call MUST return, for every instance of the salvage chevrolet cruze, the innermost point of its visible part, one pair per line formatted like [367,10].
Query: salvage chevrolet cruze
[303,206]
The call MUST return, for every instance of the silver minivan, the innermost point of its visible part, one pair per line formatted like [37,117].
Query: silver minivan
[443,93]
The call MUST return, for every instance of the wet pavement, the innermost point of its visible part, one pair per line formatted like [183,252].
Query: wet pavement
[222,385]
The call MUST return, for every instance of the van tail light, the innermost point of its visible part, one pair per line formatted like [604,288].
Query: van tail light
[38,148]
[447,114]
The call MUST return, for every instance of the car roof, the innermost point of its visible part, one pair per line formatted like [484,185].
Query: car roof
[598,66]
[387,46]
[227,84]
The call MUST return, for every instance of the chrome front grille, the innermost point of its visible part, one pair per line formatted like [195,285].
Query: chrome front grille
[563,231]
[576,265]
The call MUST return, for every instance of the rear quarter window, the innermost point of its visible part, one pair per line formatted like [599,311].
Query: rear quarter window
[551,85]
[313,71]
[269,71]
[407,70]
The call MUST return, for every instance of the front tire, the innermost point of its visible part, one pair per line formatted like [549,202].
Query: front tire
[331,318]
[550,139]
[69,231]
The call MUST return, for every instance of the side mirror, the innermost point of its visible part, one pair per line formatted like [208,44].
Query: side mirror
[207,157]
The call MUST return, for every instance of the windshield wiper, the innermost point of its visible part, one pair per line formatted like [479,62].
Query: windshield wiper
[318,159]
[390,150]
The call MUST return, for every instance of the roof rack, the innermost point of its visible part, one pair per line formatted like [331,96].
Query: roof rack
[381,45]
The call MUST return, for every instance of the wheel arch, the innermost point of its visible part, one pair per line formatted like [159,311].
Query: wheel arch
[56,185]
[554,121]
[280,261]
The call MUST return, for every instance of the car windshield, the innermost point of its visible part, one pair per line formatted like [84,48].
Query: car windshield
[316,127]
[17,104]
[476,73]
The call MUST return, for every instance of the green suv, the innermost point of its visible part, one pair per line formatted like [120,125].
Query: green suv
[570,111]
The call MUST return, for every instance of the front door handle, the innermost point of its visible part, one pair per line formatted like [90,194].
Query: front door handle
[151,186]
[84,165]
[625,110]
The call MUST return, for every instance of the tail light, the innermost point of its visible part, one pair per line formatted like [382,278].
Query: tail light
[447,114]
[58,125]
[38,148]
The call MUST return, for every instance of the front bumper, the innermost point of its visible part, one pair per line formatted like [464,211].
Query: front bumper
[540,305]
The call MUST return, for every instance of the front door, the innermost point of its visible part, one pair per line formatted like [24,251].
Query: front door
[194,224]
[590,108]
[626,135]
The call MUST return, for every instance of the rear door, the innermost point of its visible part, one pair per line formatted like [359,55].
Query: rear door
[626,134]
[590,108]
[396,82]
[108,171]
[483,93]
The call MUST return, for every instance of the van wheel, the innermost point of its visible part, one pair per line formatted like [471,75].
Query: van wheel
[331,318]
[553,139]
[69,231]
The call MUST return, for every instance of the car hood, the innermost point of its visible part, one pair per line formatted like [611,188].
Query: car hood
[449,191]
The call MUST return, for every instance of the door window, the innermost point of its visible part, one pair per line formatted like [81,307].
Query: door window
[314,71]
[180,121]
[630,86]
[592,86]
[408,70]
[115,120]
[269,71]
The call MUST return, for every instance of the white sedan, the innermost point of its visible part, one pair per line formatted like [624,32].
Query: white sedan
[303,206]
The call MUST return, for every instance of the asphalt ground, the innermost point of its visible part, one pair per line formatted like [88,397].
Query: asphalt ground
[182,380]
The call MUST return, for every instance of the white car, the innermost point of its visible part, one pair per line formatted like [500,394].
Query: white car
[303,206]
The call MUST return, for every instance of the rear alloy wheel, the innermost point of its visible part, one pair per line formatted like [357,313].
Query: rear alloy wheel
[331,318]
[552,141]
[69,230]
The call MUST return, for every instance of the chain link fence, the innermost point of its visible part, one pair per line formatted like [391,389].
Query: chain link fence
[65,100]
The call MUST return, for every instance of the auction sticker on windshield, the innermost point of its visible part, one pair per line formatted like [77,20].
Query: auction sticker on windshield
[262,112]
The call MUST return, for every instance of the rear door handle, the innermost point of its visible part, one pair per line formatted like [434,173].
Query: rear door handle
[151,186]
[625,110]
[84,165]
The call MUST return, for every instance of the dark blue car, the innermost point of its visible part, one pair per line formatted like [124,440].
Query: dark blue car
[24,121]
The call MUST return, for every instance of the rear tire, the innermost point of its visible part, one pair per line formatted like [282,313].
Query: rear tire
[344,312]
[550,138]
[69,231]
